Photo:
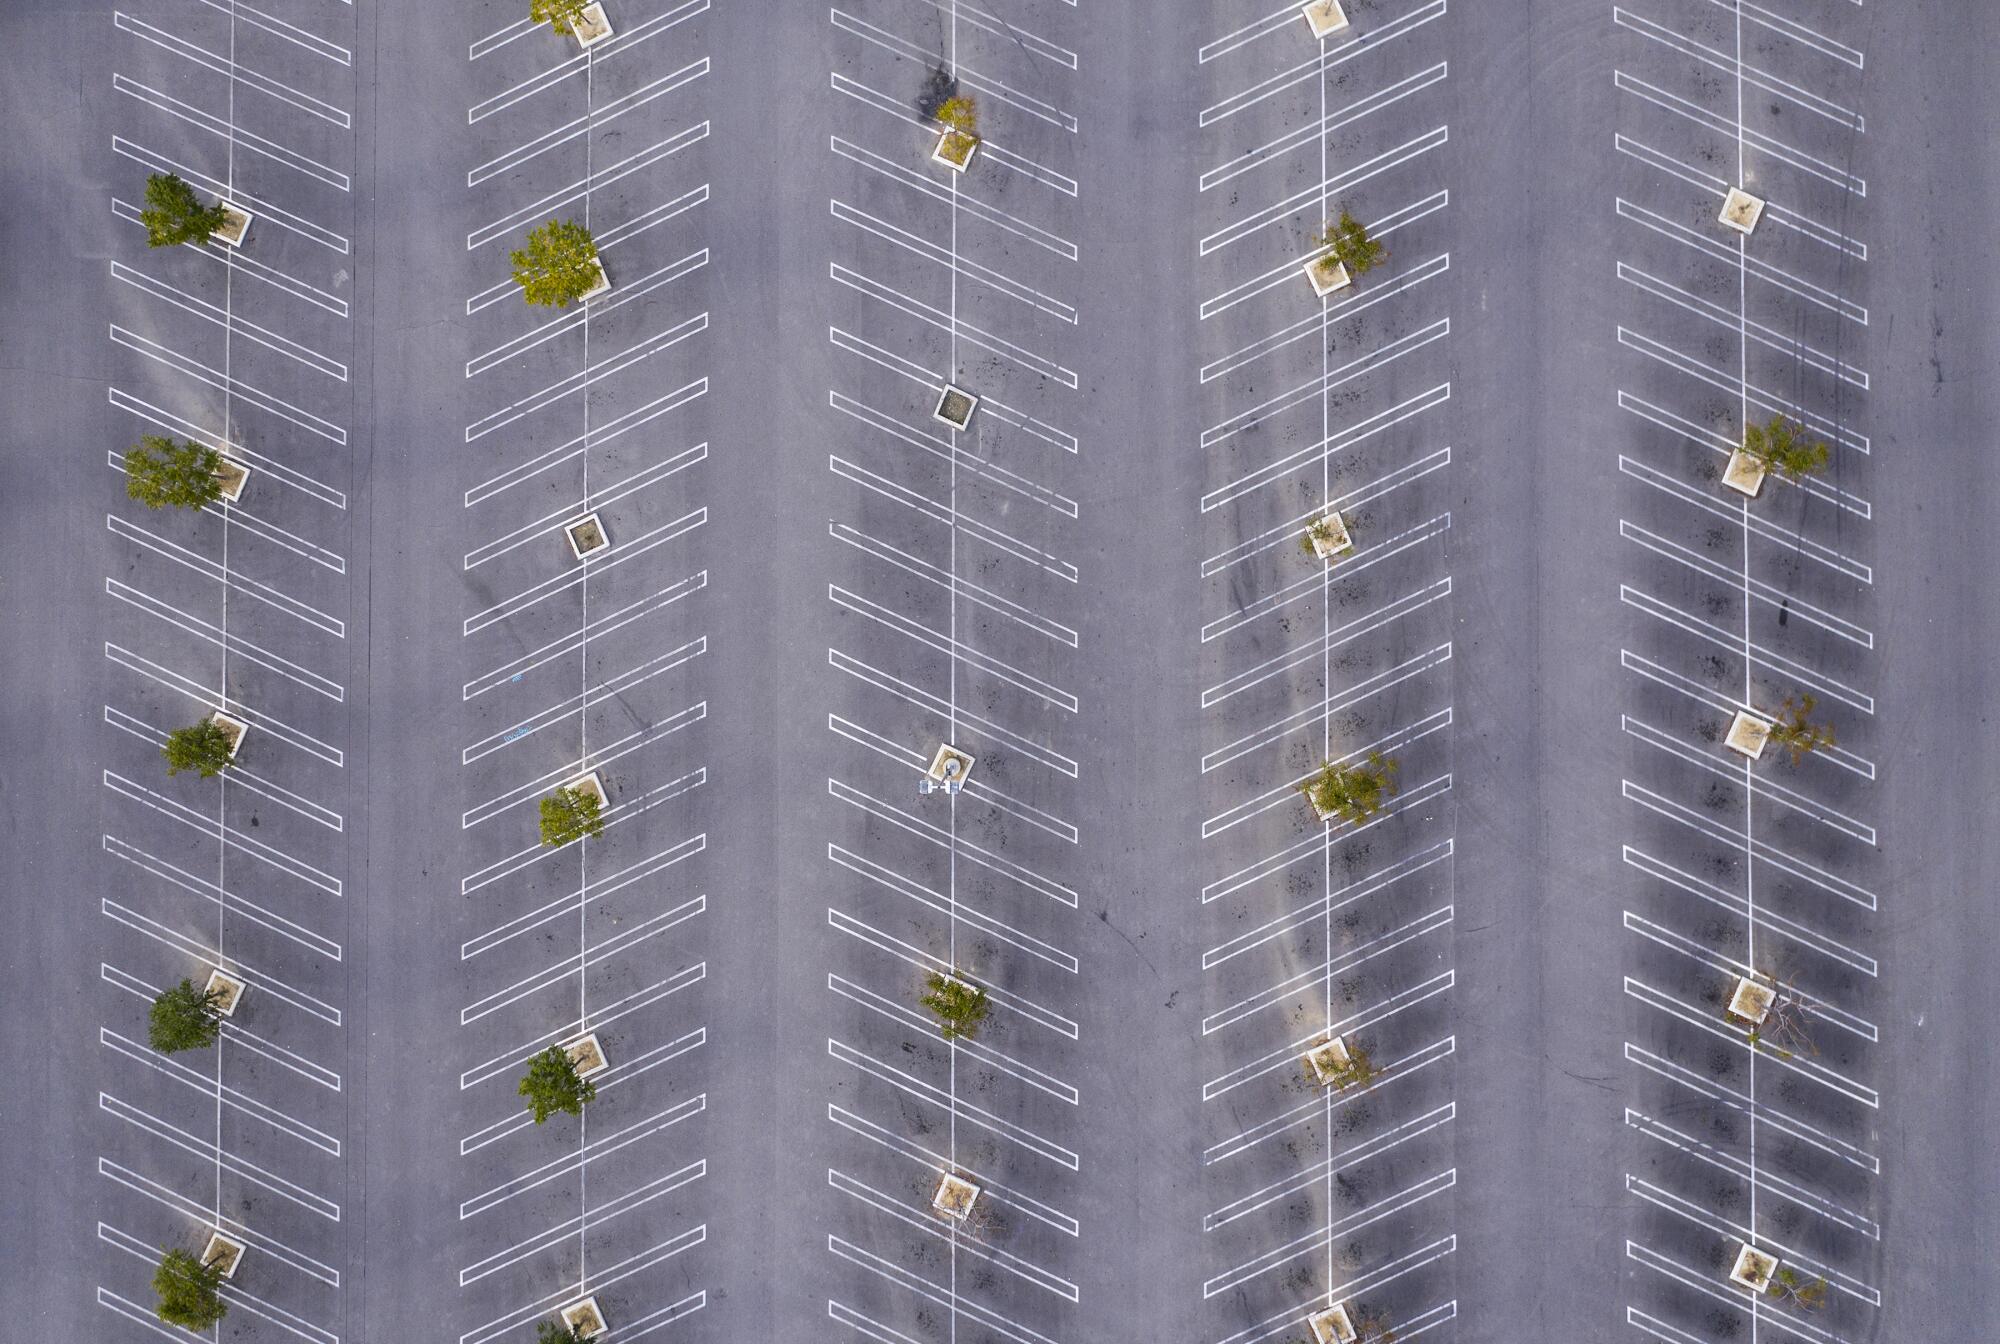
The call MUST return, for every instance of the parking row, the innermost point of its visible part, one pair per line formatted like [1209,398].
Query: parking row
[582,736]
[1748,684]
[1327,1047]
[951,811]
[221,1131]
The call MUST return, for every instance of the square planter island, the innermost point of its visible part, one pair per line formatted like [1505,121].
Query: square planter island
[1329,537]
[586,536]
[232,476]
[1326,279]
[1753,1269]
[1747,734]
[1751,1001]
[224,1253]
[591,27]
[1324,17]
[584,1318]
[954,149]
[236,730]
[1740,211]
[227,989]
[1332,1325]
[1745,474]
[951,766]
[955,407]
[587,1055]
[955,1198]
[1329,1060]
[235,225]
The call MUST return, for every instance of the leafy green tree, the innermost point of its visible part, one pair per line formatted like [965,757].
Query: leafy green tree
[559,264]
[570,814]
[561,15]
[559,1332]
[174,214]
[960,113]
[184,1018]
[1355,792]
[958,1006]
[190,1292]
[1795,731]
[1348,244]
[552,1084]
[160,472]
[202,747]
[1783,447]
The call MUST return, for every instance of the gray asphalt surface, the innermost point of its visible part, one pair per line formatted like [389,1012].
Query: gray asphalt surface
[1096,589]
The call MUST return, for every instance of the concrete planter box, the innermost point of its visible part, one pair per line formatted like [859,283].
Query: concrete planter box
[1740,211]
[1326,279]
[584,1318]
[955,1198]
[586,536]
[1745,474]
[954,149]
[1753,1269]
[236,728]
[233,476]
[603,285]
[1747,734]
[1324,17]
[591,27]
[1332,1326]
[235,226]
[226,1253]
[1328,1061]
[951,764]
[955,407]
[590,783]
[1331,538]
[1751,1001]
[587,1055]
[229,988]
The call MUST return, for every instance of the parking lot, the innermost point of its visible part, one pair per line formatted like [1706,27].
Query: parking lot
[956,579]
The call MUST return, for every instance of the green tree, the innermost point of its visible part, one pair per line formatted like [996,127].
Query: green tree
[190,1292]
[184,1018]
[552,1084]
[1348,244]
[1795,731]
[559,1332]
[174,214]
[160,472]
[202,747]
[1783,447]
[960,113]
[570,814]
[561,15]
[959,1007]
[1356,792]
[1808,1293]
[559,264]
